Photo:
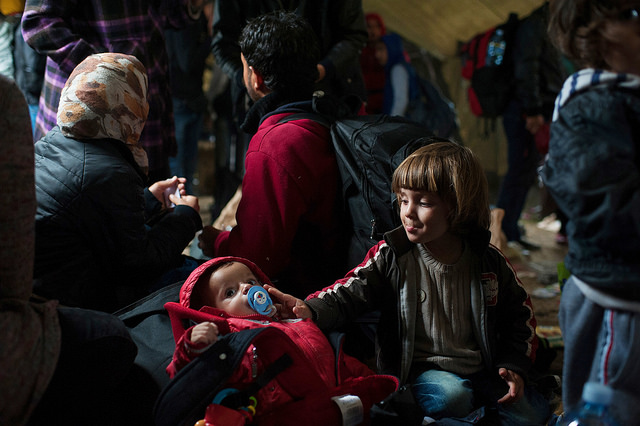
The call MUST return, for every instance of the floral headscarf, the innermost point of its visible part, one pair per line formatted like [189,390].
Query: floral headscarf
[106,97]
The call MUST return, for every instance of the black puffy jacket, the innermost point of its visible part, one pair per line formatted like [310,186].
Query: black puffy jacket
[94,245]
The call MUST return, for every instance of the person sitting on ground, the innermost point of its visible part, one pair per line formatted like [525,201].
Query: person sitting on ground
[50,354]
[103,240]
[288,220]
[467,326]
[223,289]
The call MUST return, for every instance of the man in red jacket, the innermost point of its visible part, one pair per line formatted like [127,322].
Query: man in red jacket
[288,222]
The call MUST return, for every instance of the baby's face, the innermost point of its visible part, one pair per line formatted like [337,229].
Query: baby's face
[228,287]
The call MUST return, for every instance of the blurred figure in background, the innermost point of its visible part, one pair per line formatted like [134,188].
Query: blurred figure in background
[188,49]
[593,174]
[372,71]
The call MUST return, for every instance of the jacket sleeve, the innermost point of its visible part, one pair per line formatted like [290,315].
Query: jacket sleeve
[184,353]
[140,252]
[352,34]
[593,175]
[227,25]
[268,216]
[365,288]
[45,26]
[516,324]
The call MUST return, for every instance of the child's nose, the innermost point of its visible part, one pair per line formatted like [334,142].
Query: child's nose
[245,288]
[409,210]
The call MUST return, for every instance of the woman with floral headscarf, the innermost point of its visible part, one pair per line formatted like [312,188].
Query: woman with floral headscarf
[102,238]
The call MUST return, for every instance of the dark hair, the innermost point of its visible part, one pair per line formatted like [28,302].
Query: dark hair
[455,174]
[575,27]
[284,49]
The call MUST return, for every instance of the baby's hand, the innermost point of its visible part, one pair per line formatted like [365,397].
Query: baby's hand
[287,305]
[205,333]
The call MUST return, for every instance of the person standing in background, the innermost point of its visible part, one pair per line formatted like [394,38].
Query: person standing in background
[10,11]
[188,49]
[29,73]
[372,71]
[538,75]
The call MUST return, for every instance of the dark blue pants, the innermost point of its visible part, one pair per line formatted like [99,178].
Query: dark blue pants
[522,159]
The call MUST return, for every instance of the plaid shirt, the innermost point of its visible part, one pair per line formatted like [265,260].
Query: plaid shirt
[68,31]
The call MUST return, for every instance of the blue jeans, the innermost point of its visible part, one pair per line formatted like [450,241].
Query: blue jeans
[442,394]
[188,125]
[522,163]
[33,113]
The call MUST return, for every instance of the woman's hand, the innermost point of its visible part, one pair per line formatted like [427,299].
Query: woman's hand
[170,185]
[186,200]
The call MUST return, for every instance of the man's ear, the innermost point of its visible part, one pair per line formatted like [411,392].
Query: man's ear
[257,82]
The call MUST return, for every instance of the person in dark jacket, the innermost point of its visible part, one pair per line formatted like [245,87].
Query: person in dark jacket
[455,321]
[188,49]
[538,75]
[288,220]
[593,173]
[29,73]
[95,245]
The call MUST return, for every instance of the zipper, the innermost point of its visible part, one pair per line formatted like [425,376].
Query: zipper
[254,363]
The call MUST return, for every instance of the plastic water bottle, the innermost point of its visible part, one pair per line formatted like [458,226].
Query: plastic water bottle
[260,301]
[594,408]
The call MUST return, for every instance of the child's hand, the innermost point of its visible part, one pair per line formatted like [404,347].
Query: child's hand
[516,386]
[205,333]
[287,305]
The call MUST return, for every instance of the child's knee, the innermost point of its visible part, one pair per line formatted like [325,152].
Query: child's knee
[443,394]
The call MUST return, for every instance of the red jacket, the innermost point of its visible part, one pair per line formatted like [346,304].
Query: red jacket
[338,372]
[288,223]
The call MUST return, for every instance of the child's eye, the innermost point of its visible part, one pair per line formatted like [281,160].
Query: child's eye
[403,201]
[230,292]
[253,282]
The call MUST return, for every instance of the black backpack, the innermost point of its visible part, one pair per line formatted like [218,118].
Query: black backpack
[433,110]
[368,148]
[149,325]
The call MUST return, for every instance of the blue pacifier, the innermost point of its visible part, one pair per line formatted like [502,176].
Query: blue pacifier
[260,301]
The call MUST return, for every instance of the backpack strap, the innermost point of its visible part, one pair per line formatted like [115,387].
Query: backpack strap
[318,118]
